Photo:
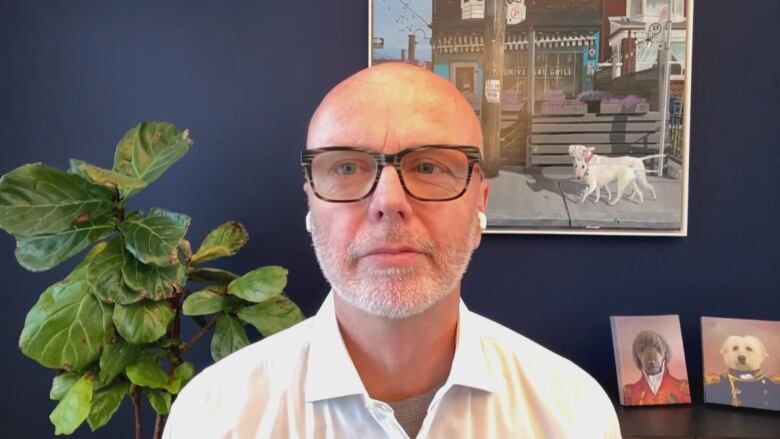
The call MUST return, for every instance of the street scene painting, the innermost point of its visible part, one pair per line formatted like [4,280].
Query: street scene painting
[650,360]
[584,104]
[741,362]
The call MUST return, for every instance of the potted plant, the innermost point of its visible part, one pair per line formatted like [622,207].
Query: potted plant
[593,99]
[564,107]
[112,328]
[552,95]
[627,104]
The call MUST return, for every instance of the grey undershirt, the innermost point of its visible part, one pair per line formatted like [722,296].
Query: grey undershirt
[410,413]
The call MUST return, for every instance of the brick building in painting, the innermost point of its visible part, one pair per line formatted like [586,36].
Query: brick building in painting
[567,34]
[628,48]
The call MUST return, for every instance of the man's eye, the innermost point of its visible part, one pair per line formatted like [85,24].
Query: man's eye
[427,168]
[346,168]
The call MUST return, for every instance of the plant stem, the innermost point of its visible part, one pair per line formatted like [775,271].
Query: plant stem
[137,410]
[176,329]
[188,345]
[159,422]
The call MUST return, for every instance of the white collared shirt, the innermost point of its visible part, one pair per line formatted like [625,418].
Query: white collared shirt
[301,383]
[654,381]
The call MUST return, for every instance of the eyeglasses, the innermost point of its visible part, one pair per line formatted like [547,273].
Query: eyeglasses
[343,174]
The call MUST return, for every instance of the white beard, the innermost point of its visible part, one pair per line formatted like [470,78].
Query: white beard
[395,293]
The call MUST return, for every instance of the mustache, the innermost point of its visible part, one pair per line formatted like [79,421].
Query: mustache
[391,236]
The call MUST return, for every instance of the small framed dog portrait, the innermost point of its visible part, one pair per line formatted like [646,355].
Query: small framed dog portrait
[584,105]
[741,362]
[650,360]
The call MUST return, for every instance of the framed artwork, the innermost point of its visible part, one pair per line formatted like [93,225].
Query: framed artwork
[741,362]
[584,104]
[650,360]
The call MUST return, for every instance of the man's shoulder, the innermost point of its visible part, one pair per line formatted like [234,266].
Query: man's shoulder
[530,353]
[551,386]
[535,361]
[280,351]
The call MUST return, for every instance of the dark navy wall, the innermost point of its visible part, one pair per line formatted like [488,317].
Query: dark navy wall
[74,76]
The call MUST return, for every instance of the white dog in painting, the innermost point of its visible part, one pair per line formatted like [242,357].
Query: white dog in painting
[743,353]
[598,176]
[586,153]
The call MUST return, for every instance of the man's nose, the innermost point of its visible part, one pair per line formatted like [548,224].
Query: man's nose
[389,200]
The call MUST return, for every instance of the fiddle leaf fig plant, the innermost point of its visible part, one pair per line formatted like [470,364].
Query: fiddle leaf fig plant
[111,329]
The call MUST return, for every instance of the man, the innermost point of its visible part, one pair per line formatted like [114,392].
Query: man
[651,355]
[393,352]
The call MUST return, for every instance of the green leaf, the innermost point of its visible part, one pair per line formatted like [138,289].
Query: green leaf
[146,372]
[105,278]
[160,401]
[42,252]
[233,304]
[62,383]
[223,241]
[67,327]
[203,302]
[259,285]
[272,316]
[153,238]
[105,403]
[36,199]
[181,375]
[211,275]
[185,248]
[142,322]
[229,337]
[104,177]
[116,357]
[74,407]
[148,150]
[151,281]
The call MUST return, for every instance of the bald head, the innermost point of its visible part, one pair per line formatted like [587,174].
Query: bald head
[392,106]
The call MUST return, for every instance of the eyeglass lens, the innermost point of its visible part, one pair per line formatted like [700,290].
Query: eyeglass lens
[434,174]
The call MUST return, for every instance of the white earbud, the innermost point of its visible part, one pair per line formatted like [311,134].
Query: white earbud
[308,222]
[482,220]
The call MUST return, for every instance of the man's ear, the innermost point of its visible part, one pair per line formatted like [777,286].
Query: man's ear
[482,204]
[484,194]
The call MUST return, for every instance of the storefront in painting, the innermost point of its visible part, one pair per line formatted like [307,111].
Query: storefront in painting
[566,48]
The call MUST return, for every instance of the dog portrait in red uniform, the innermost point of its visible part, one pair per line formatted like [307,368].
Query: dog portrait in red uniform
[657,385]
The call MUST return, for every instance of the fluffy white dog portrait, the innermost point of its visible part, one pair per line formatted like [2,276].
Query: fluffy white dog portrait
[743,353]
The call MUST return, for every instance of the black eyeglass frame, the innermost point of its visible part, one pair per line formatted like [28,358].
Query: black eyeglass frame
[472,154]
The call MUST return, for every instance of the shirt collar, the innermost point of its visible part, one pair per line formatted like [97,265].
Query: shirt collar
[331,373]
[654,381]
[469,365]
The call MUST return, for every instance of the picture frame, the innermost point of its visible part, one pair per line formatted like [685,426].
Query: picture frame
[741,362]
[650,360]
[612,76]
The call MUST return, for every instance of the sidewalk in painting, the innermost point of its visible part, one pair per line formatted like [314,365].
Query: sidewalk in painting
[550,199]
